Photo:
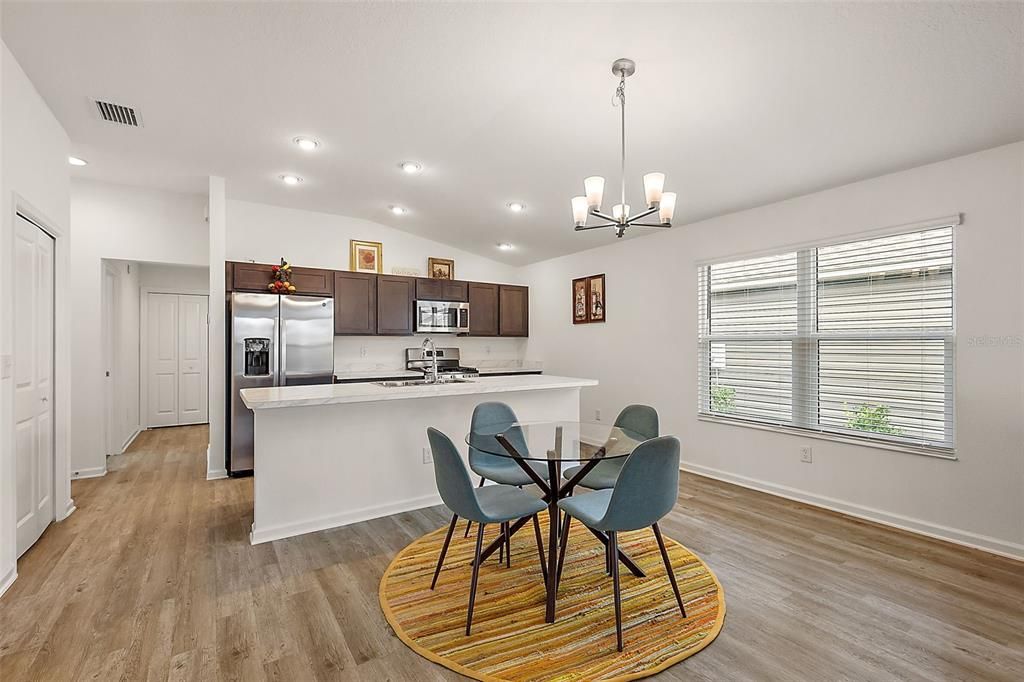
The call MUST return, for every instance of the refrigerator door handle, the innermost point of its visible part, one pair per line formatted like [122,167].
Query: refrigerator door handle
[281,376]
[277,334]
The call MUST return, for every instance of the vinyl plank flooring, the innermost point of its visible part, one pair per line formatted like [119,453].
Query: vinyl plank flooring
[153,578]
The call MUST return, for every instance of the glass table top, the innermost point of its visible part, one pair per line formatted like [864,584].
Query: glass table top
[564,441]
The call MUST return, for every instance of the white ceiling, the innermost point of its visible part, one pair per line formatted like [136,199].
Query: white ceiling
[739,105]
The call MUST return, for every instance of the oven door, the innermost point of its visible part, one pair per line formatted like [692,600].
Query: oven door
[441,317]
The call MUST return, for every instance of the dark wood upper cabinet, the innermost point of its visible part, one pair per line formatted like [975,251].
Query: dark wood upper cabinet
[513,310]
[355,303]
[395,296]
[313,281]
[483,309]
[251,276]
[441,290]
[229,276]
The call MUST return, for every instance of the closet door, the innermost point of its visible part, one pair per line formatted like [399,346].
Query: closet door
[162,344]
[33,382]
[192,358]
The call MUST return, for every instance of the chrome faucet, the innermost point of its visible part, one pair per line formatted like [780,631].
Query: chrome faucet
[432,377]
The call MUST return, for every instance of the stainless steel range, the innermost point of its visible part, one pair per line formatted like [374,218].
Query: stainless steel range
[448,364]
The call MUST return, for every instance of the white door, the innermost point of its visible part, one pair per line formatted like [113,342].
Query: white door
[192,358]
[162,342]
[33,384]
[177,347]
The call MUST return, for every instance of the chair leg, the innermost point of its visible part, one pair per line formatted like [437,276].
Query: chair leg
[476,575]
[444,549]
[613,542]
[540,550]
[470,523]
[668,568]
[561,550]
[508,544]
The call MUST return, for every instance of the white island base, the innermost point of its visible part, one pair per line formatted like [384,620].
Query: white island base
[328,456]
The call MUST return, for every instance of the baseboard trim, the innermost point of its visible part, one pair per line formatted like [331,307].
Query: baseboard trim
[9,579]
[287,530]
[216,474]
[69,509]
[956,536]
[131,439]
[94,472]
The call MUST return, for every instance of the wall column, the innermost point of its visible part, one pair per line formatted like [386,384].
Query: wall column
[218,221]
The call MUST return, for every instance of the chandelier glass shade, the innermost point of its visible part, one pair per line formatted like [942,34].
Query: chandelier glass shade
[655,198]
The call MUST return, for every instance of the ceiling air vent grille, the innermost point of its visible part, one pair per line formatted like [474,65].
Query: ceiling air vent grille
[117,113]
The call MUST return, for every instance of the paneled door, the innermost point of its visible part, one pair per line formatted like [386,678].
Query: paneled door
[33,384]
[177,350]
[192,357]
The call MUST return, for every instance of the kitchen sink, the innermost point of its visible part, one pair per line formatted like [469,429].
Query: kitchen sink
[420,382]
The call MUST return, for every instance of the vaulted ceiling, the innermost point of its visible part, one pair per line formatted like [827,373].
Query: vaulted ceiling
[739,105]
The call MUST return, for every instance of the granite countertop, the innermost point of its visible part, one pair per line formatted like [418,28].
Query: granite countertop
[331,394]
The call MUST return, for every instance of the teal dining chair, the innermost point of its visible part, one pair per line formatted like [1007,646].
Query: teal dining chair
[646,490]
[495,417]
[492,504]
[641,422]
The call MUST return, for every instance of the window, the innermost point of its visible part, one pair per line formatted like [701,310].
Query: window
[854,339]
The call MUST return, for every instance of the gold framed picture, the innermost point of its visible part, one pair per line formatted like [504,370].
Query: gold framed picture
[580,297]
[365,256]
[596,296]
[441,268]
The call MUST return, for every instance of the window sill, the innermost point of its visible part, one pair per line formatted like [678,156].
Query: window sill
[949,455]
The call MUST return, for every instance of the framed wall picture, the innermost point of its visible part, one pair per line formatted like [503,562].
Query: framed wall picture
[580,298]
[441,268]
[365,256]
[596,298]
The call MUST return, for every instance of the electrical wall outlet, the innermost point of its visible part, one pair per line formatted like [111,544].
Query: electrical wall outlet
[487,349]
[6,366]
[597,415]
[362,351]
[428,456]
[806,455]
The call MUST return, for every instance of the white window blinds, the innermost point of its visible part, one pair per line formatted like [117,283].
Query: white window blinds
[854,338]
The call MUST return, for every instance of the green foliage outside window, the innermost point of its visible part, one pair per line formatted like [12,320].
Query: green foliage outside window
[723,398]
[871,417]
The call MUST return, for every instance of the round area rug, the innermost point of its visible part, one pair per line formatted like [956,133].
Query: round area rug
[511,641]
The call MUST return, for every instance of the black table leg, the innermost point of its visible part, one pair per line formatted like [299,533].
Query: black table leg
[553,475]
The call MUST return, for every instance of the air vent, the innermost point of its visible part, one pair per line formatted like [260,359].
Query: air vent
[118,113]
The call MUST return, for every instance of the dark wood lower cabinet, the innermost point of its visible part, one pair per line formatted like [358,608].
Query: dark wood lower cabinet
[395,297]
[513,310]
[483,309]
[355,303]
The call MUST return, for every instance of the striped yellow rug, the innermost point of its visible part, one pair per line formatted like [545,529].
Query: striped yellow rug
[510,639]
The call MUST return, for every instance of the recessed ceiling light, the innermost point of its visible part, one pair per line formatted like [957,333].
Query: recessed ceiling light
[398,210]
[505,246]
[307,144]
[516,207]
[291,179]
[75,161]
[411,167]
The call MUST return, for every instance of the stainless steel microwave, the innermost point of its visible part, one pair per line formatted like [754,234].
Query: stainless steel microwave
[442,317]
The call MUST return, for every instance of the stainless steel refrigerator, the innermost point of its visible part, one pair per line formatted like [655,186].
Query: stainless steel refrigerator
[275,341]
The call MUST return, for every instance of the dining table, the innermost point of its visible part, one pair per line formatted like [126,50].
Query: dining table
[552,444]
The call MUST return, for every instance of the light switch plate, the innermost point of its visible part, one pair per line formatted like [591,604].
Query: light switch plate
[6,366]
[806,455]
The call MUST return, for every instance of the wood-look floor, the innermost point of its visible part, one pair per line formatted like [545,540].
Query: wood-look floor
[153,578]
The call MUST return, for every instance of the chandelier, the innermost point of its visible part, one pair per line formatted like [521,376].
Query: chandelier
[662,203]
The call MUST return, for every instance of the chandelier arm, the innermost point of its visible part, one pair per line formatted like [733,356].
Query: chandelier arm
[603,216]
[649,225]
[581,228]
[642,214]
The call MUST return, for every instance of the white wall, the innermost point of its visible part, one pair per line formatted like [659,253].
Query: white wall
[264,233]
[647,350]
[174,278]
[125,223]
[33,177]
[215,464]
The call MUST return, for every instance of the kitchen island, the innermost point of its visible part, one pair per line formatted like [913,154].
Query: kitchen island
[331,455]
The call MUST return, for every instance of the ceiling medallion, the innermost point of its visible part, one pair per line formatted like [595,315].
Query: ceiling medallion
[662,203]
